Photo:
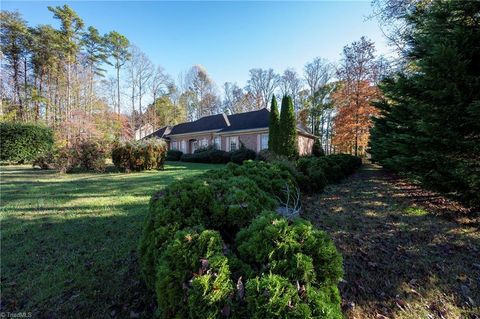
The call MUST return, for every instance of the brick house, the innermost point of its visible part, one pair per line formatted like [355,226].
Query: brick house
[226,132]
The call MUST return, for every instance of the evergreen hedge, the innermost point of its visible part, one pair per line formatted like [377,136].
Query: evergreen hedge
[212,247]
[20,142]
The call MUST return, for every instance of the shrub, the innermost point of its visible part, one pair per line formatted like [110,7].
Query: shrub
[207,155]
[209,251]
[242,154]
[21,142]
[139,155]
[45,160]
[174,155]
[317,149]
[91,155]
[320,171]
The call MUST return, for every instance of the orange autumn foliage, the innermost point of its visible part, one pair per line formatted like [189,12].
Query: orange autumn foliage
[351,127]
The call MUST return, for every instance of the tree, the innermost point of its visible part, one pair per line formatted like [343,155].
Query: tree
[71,26]
[357,73]
[261,85]
[117,46]
[201,92]
[318,75]
[13,40]
[287,140]
[429,126]
[273,127]
[290,84]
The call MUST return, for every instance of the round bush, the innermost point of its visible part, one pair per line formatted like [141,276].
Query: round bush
[20,142]
[174,155]
[242,154]
[139,155]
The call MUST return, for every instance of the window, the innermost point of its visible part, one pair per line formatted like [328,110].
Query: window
[174,146]
[263,141]
[194,146]
[217,143]
[233,143]
[204,142]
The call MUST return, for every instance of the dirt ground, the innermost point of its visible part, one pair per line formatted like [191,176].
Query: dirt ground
[408,253]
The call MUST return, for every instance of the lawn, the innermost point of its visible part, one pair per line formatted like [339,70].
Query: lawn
[69,241]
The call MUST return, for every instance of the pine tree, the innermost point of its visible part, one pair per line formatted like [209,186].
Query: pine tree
[429,124]
[274,124]
[288,129]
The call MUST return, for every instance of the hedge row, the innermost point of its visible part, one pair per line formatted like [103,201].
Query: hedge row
[139,155]
[314,173]
[213,247]
[213,155]
[20,142]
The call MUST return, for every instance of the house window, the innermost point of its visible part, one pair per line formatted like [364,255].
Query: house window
[263,141]
[204,142]
[174,146]
[217,143]
[233,143]
[194,146]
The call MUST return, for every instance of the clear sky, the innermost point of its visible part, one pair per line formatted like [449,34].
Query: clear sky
[227,38]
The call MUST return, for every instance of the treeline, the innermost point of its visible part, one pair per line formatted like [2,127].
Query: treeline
[83,82]
[429,123]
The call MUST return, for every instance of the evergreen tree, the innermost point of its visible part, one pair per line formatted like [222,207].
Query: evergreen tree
[287,143]
[274,125]
[429,124]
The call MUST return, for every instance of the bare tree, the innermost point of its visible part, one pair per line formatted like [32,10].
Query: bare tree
[291,84]
[262,85]
[236,100]
[160,83]
[200,92]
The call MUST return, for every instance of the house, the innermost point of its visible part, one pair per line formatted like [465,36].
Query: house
[226,132]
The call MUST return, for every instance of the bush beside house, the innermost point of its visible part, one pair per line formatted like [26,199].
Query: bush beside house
[20,142]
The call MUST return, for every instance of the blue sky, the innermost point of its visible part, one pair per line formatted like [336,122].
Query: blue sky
[227,38]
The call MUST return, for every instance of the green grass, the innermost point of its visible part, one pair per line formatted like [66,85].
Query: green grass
[69,241]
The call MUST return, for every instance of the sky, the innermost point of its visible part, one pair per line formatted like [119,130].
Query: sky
[227,38]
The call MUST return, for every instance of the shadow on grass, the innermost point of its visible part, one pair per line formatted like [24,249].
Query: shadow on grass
[397,256]
[80,266]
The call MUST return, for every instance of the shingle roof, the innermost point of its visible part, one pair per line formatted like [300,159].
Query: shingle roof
[248,120]
[207,123]
[223,123]
[160,133]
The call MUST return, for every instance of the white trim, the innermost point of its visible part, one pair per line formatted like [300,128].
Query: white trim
[258,142]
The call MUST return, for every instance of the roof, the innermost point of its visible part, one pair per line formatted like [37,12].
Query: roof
[248,120]
[224,123]
[207,123]
[160,133]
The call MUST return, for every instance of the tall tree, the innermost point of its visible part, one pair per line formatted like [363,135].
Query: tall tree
[13,40]
[117,46]
[429,122]
[273,127]
[201,92]
[318,75]
[71,26]
[287,139]
[262,85]
[357,73]
[291,84]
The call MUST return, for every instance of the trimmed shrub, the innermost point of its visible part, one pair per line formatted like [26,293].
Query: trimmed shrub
[207,155]
[320,171]
[91,155]
[243,154]
[20,142]
[209,251]
[174,155]
[139,155]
